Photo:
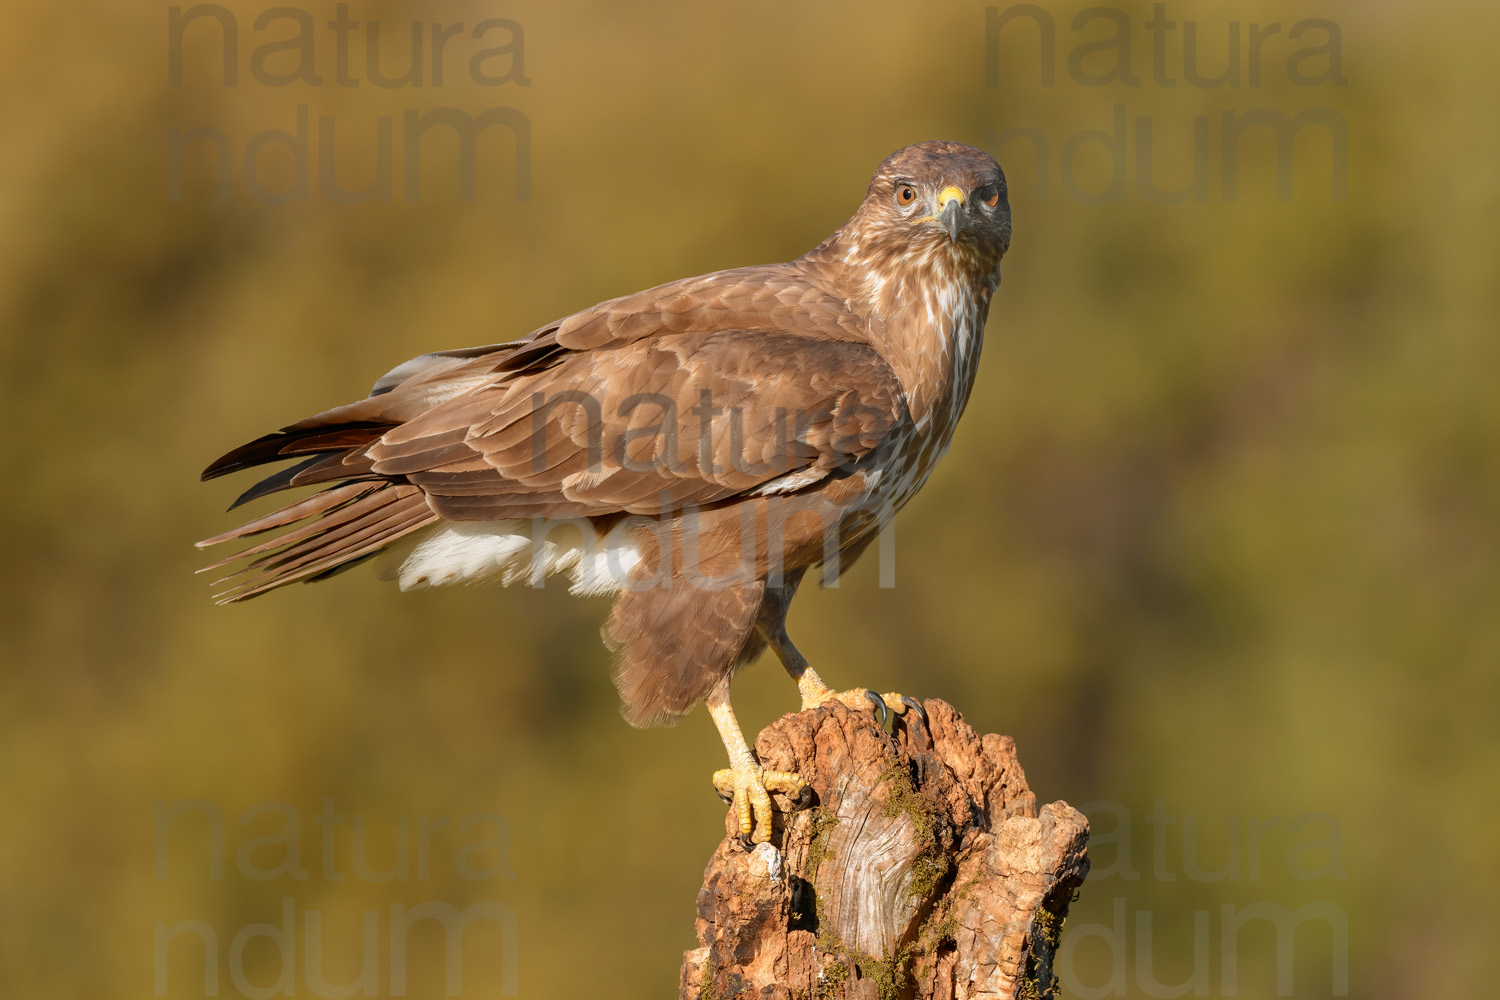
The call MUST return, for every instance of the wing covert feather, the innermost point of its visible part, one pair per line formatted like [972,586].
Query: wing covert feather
[648,426]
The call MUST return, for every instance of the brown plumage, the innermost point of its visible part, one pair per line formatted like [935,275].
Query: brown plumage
[707,441]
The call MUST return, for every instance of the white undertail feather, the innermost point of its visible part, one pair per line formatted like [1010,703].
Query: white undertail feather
[511,551]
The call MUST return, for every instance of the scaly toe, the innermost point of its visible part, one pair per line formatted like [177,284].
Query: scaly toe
[859,699]
[724,785]
[747,791]
[785,782]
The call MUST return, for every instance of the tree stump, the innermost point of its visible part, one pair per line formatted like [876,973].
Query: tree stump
[923,869]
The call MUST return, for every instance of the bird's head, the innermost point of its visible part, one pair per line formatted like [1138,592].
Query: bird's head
[940,201]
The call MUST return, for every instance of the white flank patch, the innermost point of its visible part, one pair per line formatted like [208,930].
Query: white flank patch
[528,550]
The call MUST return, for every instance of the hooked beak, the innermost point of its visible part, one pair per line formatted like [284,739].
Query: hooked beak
[951,211]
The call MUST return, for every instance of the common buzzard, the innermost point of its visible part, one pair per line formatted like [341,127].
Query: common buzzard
[693,448]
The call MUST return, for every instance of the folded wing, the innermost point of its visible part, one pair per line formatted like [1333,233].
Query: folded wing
[698,392]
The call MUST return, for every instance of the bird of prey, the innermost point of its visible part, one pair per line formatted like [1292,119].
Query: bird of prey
[693,449]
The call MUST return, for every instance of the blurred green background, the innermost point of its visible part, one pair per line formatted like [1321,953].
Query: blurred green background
[1219,528]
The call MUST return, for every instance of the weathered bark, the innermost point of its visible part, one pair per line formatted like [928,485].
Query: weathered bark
[923,869]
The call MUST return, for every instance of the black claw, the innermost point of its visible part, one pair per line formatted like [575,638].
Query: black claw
[728,800]
[915,706]
[879,703]
[804,797]
[746,842]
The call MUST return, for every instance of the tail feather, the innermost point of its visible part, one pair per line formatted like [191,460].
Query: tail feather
[350,507]
[366,519]
[324,553]
[362,512]
[311,506]
[331,530]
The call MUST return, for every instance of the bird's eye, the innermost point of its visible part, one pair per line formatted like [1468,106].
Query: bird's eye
[905,195]
[990,195]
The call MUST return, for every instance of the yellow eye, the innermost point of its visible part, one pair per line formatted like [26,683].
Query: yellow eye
[905,195]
